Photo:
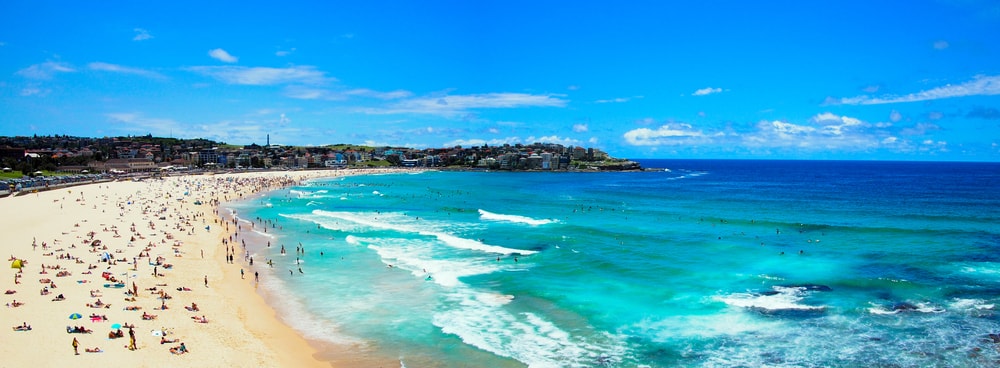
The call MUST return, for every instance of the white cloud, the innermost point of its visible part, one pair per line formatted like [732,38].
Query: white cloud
[34,91]
[457,104]
[141,34]
[493,130]
[225,130]
[259,76]
[124,70]
[613,100]
[284,52]
[580,128]
[707,91]
[309,93]
[592,140]
[668,134]
[978,86]
[475,142]
[136,122]
[306,93]
[511,140]
[835,124]
[895,116]
[222,55]
[565,141]
[824,132]
[940,45]
[391,95]
[45,70]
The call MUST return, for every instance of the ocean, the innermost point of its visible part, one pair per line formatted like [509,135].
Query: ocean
[697,263]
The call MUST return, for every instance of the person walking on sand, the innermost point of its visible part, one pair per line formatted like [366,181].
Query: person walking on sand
[131,338]
[206,280]
[76,344]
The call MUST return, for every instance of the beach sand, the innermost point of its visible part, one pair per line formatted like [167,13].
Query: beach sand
[168,225]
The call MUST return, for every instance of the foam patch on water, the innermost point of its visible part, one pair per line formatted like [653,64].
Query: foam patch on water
[728,322]
[922,307]
[525,337]
[782,299]
[396,222]
[293,311]
[418,258]
[486,215]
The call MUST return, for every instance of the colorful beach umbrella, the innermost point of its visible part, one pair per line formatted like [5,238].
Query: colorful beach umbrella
[75,316]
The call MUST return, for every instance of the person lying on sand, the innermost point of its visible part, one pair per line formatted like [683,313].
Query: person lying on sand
[163,340]
[78,329]
[201,319]
[148,317]
[179,349]
[23,327]
[93,350]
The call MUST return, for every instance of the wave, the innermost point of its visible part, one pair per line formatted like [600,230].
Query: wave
[448,239]
[526,337]
[689,175]
[901,307]
[417,257]
[486,215]
[781,298]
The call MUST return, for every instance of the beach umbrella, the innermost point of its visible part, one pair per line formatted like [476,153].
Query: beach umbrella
[116,326]
[75,316]
[17,264]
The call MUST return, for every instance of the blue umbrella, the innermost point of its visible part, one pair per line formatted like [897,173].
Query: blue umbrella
[116,326]
[75,316]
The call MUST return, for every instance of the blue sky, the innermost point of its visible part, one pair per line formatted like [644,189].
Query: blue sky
[915,80]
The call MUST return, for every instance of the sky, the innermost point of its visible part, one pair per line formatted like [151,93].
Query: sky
[866,80]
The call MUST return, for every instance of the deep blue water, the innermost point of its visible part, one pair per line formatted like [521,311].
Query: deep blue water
[703,263]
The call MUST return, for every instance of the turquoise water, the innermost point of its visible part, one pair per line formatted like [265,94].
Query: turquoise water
[706,263]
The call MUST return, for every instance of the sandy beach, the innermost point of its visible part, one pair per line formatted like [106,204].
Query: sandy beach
[97,256]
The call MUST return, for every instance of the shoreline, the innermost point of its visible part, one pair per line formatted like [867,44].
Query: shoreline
[159,225]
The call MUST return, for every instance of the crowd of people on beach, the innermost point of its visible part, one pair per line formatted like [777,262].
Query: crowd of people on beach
[169,221]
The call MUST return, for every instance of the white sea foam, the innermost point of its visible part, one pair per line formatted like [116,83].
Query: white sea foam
[922,307]
[526,337]
[728,322]
[292,310]
[418,257]
[486,215]
[689,175]
[377,221]
[784,298]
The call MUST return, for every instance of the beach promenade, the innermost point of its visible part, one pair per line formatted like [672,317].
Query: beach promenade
[97,259]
